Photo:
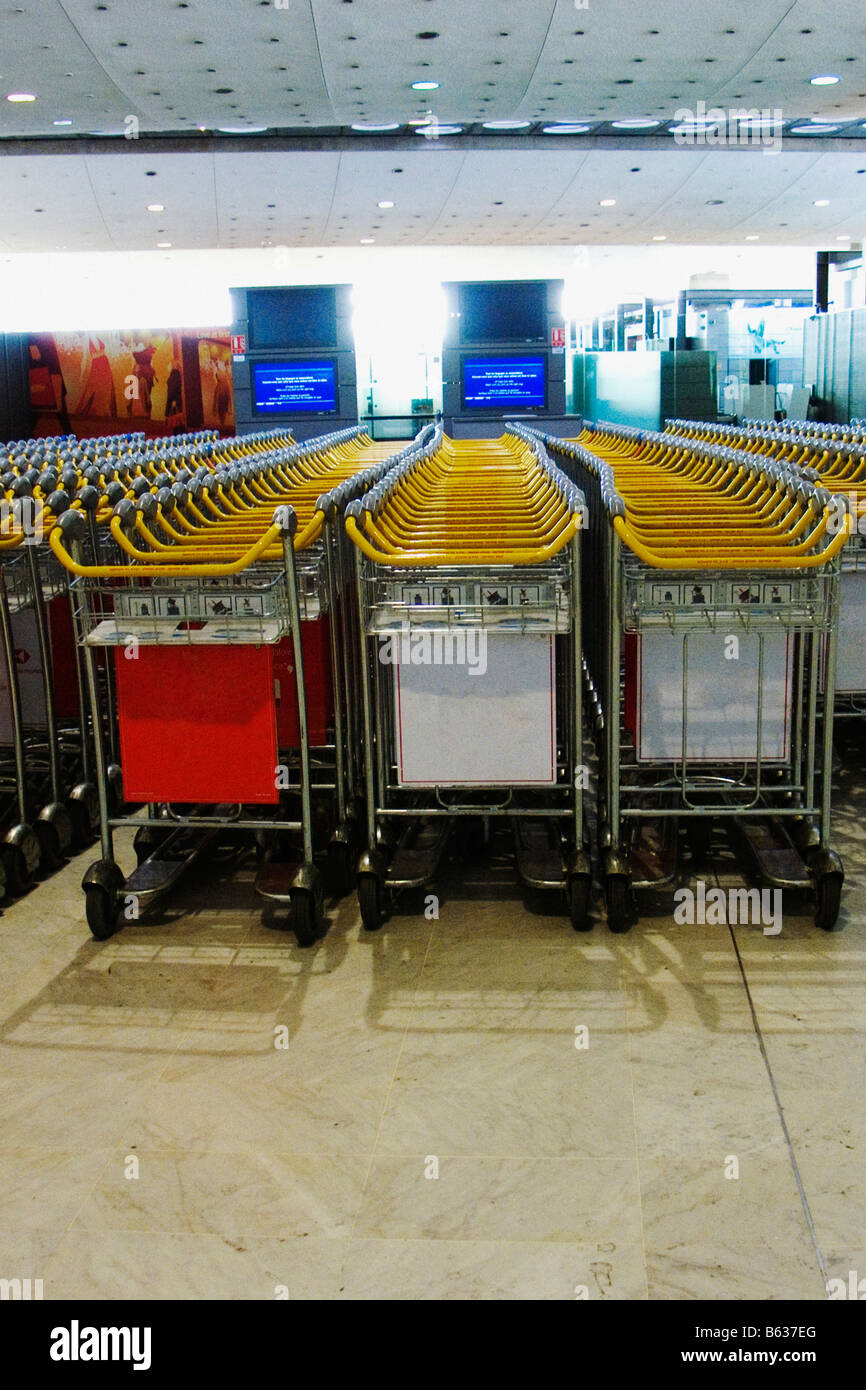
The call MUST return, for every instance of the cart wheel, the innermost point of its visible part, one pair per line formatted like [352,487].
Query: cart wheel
[616,898]
[371,901]
[341,867]
[579,889]
[18,876]
[102,910]
[50,855]
[83,829]
[829,891]
[305,923]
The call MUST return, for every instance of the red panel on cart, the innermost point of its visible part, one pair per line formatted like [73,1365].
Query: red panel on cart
[63,658]
[315,645]
[197,724]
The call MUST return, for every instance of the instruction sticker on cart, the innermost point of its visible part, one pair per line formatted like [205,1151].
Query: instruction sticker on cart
[719,715]
[457,725]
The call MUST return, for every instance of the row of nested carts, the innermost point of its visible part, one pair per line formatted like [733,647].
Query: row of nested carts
[338,658]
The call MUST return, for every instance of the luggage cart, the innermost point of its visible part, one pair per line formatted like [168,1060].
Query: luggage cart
[215,614]
[463,549]
[838,462]
[683,731]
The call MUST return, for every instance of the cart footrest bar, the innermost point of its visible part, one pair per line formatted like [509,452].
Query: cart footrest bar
[654,854]
[164,867]
[773,853]
[417,857]
[538,853]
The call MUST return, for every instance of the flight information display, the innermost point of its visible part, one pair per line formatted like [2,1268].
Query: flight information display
[283,388]
[504,383]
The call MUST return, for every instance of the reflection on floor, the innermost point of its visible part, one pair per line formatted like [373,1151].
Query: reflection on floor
[478,1105]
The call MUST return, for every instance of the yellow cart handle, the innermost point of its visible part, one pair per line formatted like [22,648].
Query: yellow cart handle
[780,560]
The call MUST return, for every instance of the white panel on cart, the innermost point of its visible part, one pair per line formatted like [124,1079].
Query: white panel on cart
[851,646]
[29,677]
[495,728]
[722,696]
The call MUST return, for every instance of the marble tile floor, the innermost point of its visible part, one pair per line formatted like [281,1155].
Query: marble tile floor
[479,1105]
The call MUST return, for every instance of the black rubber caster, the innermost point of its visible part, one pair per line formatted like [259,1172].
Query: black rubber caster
[616,897]
[103,911]
[18,875]
[371,899]
[341,867]
[50,854]
[579,892]
[305,918]
[85,822]
[829,899]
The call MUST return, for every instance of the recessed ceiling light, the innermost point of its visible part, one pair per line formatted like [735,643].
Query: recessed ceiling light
[368,240]
[821,203]
[363,129]
[844,236]
[163,245]
[812,129]
[634,125]
[425,86]
[824,79]
[758,121]
[440,130]
[505,125]
[753,236]
[61,123]
[156,207]
[566,130]
[241,129]
[659,238]
[386,203]
[607,202]
[20,96]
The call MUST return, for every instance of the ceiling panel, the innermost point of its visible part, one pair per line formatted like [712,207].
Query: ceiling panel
[318,63]
[449,195]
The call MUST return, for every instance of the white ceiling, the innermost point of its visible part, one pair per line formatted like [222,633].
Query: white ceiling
[308,63]
[307,69]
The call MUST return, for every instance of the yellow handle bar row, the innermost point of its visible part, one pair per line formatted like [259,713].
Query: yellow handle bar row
[226,529]
[471,502]
[684,510]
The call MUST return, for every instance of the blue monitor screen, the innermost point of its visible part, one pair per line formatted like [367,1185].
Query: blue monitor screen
[284,388]
[504,383]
